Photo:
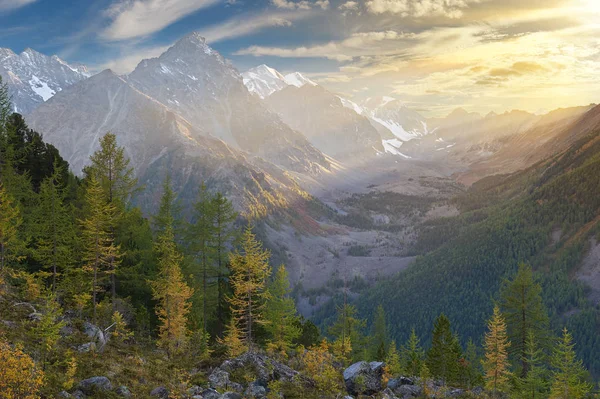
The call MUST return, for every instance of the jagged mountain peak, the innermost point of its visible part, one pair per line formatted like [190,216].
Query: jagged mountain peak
[264,80]
[297,79]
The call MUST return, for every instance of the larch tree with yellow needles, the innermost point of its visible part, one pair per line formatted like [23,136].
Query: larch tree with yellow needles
[495,363]
[19,376]
[249,272]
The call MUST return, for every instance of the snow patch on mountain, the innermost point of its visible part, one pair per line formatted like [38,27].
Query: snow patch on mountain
[298,80]
[264,80]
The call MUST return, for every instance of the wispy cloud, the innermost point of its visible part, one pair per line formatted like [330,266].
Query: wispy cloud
[132,19]
[420,8]
[249,24]
[301,5]
[127,63]
[6,5]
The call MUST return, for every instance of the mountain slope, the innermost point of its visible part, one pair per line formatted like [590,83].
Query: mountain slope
[33,78]
[158,141]
[264,80]
[201,86]
[543,216]
[326,122]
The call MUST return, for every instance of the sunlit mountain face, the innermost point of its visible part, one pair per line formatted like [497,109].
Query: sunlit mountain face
[411,163]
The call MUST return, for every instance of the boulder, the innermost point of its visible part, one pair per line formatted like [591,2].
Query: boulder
[407,391]
[255,390]
[364,378]
[95,333]
[393,383]
[94,384]
[388,394]
[194,390]
[235,387]
[160,393]
[265,369]
[123,392]
[231,395]
[210,394]
[219,379]
[88,347]
[456,393]
[64,394]
[78,394]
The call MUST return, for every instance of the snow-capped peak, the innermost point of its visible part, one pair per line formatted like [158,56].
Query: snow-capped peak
[298,80]
[264,80]
[33,78]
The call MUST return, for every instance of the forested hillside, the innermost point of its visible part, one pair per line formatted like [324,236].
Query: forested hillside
[543,216]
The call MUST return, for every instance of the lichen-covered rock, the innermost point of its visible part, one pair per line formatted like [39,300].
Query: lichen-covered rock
[210,394]
[407,391]
[235,387]
[265,369]
[393,383]
[231,395]
[123,391]
[364,378]
[87,347]
[255,390]
[219,379]
[160,393]
[96,334]
[388,394]
[94,385]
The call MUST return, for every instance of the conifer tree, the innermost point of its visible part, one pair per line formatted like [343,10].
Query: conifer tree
[46,332]
[233,340]
[225,234]
[524,312]
[249,272]
[442,357]
[412,355]
[201,235]
[172,293]
[473,375]
[495,364]
[19,376]
[10,222]
[379,335]
[348,331]
[55,234]
[100,251]
[167,210]
[569,375]
[280,315]
[535,384]
[393,365]
[110,167]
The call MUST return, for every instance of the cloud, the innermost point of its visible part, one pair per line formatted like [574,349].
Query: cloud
[358,44]
[6,5]
[246,25]
[301,5]
[132,19]
[420,8]
[349,6]
[131,58]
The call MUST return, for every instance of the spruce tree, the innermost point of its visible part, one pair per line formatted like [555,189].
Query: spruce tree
[171,292]
[412,355]
[249,272]
[100,251]
[379,335]
[55,233]
[10,223]
[201,235]
[569,375]
[495,363]
[280,315]
[524,312]
[225,235]
[46,332]
[442,357]
[347,331]
[393,365]
[535,384]
[473,375]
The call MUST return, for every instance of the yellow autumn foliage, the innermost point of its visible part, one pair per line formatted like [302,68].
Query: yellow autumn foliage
[19,376]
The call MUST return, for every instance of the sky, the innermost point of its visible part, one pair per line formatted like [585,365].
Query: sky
[434,55]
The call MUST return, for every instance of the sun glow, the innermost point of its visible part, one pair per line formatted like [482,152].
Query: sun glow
[591,6]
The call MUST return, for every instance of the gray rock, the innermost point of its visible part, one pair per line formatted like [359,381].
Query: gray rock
[218,379]
[64,394]
[456,393]
[393,383]
[94,384]
[78,395]
[477,391]
[364,378]
[231,395]
[255,390]
[123,391]
[388,394]
[235,387]
[210,394]
[265,369]
[88,347]
[407,391]
[95,333]
[194,390]
[160,392]
[36,317]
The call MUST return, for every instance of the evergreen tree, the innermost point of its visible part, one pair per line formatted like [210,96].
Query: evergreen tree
[100,251]
[473,375]
[55,233]
[495,364]
[393,365]
[347,330]
[201,235]
[168,210]
[10,222]
[535,384]
[5,105]
[249,272]
[225,234]
[442,357]
[280,315]
[524,312]
[569,375]
[412,355]
[46,332]
[233,340]
[110,167]
[379,335]
[172,293]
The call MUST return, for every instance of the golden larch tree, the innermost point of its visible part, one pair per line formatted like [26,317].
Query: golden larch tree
[495,363]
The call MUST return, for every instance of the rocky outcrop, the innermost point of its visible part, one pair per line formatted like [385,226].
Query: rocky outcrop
[364,378]
[94,385]
[265,369]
